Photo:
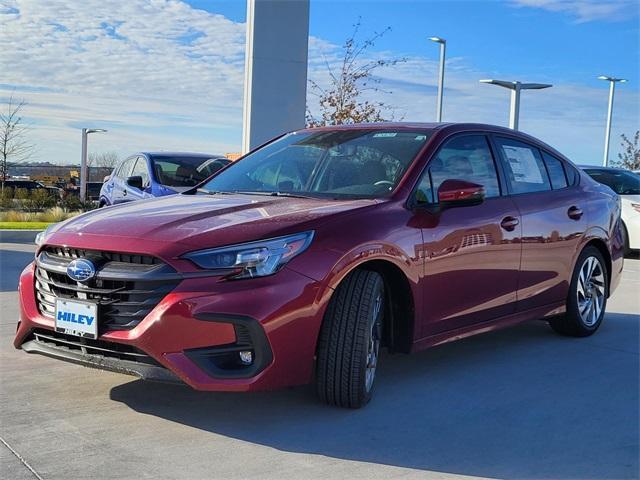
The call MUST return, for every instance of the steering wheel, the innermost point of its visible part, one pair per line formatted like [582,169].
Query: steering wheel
[383,182]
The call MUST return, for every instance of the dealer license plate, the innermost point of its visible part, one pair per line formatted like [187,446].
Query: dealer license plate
[77,318]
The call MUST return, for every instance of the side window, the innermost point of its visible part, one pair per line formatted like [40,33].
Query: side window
[556,171]
[572,174]
[523,166]
[140,169]
[125,168]
[466,158]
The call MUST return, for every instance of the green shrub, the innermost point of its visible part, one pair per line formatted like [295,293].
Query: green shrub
[21,194]
[40,199]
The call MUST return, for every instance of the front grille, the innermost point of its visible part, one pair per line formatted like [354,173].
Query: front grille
[126,287]
[89,346]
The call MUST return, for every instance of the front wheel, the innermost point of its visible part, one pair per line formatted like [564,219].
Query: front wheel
[349,342]
[587,298]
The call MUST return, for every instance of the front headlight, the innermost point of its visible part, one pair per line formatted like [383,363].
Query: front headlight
[254,259]
[42,236]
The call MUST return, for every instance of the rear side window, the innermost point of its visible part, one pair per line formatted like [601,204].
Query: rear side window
[141,170]
[523,166]
[466,158]
[556,171]
[572,174]
[125,168]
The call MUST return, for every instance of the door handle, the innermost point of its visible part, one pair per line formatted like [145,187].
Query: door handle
[574,213]
[509,223]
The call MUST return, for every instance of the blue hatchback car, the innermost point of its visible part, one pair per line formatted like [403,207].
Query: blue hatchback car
[156,174]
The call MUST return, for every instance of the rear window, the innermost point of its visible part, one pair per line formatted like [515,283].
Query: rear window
[184,171]
[620,181]
[556,171]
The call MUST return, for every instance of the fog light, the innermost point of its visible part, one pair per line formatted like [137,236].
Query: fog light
[246,357]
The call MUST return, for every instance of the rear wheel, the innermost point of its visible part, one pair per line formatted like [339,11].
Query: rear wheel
[349,343]
[587,297]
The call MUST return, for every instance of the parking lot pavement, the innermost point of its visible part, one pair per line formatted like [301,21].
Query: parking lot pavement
[518,403]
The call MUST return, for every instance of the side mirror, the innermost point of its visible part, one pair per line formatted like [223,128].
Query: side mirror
[106,179]
[459,193]
[135,182]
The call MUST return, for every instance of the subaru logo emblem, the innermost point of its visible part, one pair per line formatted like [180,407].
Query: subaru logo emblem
[81,270]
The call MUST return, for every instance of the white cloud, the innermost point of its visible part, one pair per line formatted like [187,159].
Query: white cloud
[148,70]
[586,10]
[159,74]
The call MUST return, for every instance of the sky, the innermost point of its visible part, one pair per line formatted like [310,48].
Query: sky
[168,74]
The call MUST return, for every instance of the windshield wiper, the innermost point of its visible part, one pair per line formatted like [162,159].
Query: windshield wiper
[272,194]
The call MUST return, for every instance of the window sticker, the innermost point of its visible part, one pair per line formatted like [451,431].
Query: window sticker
[385,134]
[523,164]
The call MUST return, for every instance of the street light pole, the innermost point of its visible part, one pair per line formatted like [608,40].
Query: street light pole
[607,136]
[83,161]
[443,47]
[516,88]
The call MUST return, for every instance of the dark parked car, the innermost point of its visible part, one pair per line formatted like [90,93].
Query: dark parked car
[31,185]
[298,262]
[148,174]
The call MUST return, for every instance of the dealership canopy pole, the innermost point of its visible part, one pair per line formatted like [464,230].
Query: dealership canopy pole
[275,82]
[607,136]
[83,162]
[443,47]
[516,88]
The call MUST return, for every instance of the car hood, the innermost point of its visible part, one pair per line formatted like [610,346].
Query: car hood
[199,220]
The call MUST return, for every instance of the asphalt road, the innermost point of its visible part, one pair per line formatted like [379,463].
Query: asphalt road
[519,403]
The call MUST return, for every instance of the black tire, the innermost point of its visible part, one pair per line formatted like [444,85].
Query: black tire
[625,239]
[351,328]
[572,323]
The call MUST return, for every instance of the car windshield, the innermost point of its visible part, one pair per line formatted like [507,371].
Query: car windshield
[174,171]
[358,163]
[620,181]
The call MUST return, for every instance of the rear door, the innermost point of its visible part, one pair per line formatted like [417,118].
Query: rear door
[553,220]
[472,253]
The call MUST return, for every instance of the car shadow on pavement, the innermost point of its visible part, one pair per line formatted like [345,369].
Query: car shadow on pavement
[522,402]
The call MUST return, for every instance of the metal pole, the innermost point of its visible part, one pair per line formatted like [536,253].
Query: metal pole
[83,167]
[607,137]
[514,113]
[443,47]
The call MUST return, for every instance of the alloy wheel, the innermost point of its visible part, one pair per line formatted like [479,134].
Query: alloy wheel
[590,291]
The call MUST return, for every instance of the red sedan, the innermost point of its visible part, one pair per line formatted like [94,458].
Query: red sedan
[301,260]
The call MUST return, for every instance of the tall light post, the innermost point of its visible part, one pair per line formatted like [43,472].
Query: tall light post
[516,87]
[607,136]
[83,161]
[443,47]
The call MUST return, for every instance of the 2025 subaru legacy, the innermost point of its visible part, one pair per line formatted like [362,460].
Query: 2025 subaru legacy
[303,259]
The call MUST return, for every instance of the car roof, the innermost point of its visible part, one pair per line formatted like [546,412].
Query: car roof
[418,126]
[181,154]
[600,167]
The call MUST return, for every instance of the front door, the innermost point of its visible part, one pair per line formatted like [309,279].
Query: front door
[472,253]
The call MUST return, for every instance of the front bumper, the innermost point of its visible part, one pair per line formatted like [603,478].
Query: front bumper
[278,317]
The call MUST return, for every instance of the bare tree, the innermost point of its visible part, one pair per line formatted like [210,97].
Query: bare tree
[14,145]
[101,164]
[107,160]
[343,101]
[629,158]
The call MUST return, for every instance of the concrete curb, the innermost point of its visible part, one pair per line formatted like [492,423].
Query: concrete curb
[18,236]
